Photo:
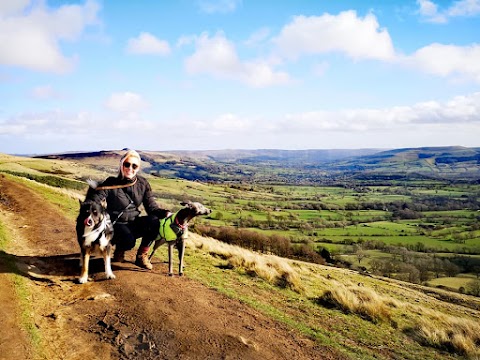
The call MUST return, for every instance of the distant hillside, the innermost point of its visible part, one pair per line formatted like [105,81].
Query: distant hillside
[278,156]
[301,166]
[453,163]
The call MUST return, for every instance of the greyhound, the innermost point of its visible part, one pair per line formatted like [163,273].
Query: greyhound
[174,231]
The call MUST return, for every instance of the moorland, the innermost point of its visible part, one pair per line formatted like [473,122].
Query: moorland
[362,251]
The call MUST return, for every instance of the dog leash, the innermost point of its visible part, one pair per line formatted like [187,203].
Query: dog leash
[121,212]
[110,187]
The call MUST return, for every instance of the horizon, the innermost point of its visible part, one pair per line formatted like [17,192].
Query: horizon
[207,75]
[443,147]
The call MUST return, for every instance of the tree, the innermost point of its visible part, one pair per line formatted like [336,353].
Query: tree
[473,287]
[450,268]
[359,252]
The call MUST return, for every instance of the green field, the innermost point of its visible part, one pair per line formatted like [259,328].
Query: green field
[425,217]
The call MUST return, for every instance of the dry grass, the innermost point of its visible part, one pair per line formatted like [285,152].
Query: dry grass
[358,300]
[339,288]
[457,335]
[271,268]
[433,321]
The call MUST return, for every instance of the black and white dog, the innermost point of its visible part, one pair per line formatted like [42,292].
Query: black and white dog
[94,232]
[174,230]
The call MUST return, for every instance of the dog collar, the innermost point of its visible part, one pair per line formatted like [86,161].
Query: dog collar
[99,229]
[183,227]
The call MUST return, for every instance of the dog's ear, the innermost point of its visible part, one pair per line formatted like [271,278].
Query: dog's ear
[81,203]
[103,202]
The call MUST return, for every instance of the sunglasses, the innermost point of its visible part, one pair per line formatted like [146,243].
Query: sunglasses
[127,165]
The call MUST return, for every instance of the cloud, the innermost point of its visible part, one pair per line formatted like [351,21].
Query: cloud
[8,8]
[416,125]
[464,8]
[430,11]
[230,123]
[217,56]
[45,92]
[356,37]
[258,37]
[447,60]
[30,35]
[459,110]
[126,102]
[218,6]
[146,43]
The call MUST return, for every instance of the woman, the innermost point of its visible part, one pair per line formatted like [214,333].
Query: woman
[124,194]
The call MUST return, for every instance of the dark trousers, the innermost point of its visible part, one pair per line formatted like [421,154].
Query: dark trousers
[126,234]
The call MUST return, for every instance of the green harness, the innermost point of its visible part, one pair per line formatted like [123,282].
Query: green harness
[170,230]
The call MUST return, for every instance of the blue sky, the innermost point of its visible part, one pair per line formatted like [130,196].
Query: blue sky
[238,74]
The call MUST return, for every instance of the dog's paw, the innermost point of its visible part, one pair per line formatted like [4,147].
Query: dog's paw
[170,274]
[180,274]
[83,280]
[111,276]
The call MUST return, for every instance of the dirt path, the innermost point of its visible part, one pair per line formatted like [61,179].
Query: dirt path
[140,314]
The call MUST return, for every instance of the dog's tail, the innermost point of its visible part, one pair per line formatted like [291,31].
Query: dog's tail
[92,183]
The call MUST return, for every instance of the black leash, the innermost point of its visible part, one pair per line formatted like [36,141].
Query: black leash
[121,212]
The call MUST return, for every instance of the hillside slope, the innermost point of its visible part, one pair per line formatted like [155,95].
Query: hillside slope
[149,315]
[140,314]
[302,166]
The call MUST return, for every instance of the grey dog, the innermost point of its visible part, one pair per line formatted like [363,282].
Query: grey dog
[174,231]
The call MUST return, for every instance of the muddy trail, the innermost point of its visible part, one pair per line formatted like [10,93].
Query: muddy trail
[139,315]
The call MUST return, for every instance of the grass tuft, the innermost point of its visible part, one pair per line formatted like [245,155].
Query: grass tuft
[271,268]
[364,302]
[460,336]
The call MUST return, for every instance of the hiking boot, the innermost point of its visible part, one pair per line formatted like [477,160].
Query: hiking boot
[119,256]
[143,261]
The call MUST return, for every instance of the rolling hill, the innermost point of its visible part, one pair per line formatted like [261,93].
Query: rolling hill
[302,166]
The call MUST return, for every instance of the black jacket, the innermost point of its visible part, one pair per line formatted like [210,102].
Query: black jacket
[123,203]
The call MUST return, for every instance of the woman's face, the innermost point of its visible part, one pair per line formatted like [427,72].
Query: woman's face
[130,167]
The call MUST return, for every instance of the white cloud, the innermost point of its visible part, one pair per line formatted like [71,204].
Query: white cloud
[217,56]
[459,110]
[31,39]
[462,8]
[185,40]
[45,92]
[258,37]
[12,7]
[429,10]
[231,123]
[218,6]
[447,60]
[358,38]
[456,121]
[146,43]
[126,102]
